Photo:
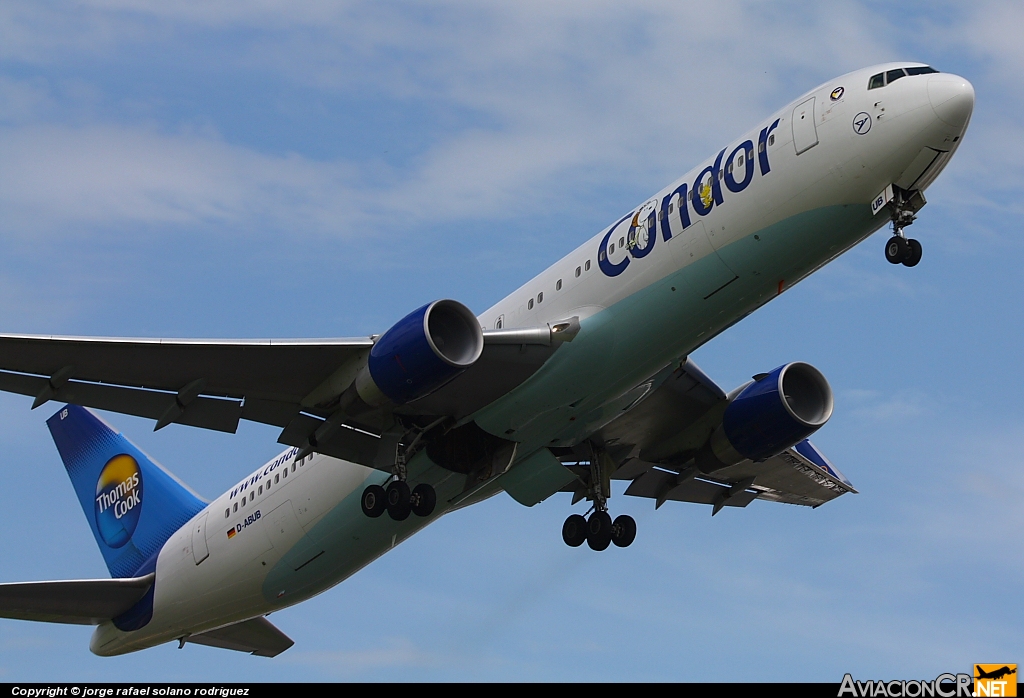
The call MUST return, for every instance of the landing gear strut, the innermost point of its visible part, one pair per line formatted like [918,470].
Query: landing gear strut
[599,531]
[899,249]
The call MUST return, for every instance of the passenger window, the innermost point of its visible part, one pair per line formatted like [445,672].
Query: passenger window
[529,306]
[252,496]
[622,242]
[586,267]
[500,322]
[577,272]
[876,81]
[227,512]
[285,473]
[243,501]
[540,297]
[760,149]
[558,285]
[261,489]
[894,75]
[661,215]
[235,508]
[771,139]
[611,248]
[277,478]
[671,207]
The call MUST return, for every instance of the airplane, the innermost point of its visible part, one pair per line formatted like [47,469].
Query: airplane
[996,674]
[580,377]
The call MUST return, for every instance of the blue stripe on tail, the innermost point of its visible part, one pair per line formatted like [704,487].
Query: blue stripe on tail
[131,503]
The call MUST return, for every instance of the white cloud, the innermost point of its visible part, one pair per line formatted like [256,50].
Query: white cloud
[562,96]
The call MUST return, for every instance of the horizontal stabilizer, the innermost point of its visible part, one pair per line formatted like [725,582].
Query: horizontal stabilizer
[79,601]
[256,636]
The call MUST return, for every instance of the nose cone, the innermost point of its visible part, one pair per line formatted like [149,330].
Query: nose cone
[952,98]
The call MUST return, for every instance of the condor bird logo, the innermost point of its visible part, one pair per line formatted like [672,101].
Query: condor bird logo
[118,500]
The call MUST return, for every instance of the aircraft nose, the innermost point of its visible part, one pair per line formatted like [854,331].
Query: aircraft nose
[952,98]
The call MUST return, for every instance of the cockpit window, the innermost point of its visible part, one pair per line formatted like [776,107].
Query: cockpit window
[882,79]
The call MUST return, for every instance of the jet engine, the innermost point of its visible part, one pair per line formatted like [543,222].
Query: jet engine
[420,353]
[767,416]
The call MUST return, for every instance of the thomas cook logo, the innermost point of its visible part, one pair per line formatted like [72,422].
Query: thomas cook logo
[837,94]
[995,679]
[118,500]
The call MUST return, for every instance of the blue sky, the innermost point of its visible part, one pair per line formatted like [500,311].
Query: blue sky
[272,169]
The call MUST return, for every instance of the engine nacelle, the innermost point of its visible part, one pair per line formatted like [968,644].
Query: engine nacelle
[768,416]
[420,353]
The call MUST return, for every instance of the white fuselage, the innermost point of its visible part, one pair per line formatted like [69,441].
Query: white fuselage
[791,194]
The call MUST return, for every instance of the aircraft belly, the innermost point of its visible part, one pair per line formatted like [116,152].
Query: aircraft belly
[345,540]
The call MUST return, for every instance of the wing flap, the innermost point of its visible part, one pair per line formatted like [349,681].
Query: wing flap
[665,486]
[791,477]
[207,413]
[80,601]
[257,636]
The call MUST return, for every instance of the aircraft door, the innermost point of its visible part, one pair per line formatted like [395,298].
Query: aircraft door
[805,133]
[286,535]
[200,551]
[703,269]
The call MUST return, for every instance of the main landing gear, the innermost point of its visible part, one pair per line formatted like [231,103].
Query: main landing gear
[398,500]
[599,531]
[899,249]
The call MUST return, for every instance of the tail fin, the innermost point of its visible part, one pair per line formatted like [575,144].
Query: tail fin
[132,504]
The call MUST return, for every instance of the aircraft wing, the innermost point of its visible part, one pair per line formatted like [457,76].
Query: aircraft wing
[256,636]
[223,380]
[79,601]
[667,419]
[293,383]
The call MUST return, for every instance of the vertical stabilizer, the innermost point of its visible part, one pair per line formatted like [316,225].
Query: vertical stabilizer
[131,503]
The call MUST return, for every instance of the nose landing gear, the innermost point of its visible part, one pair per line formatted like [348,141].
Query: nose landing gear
[899,249]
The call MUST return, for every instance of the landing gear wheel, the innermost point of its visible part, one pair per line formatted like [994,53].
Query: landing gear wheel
[623,530]
[398,497]
[423,499]
[599,530]
[913,253]
[574,531]
[896,250]
[374,501]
